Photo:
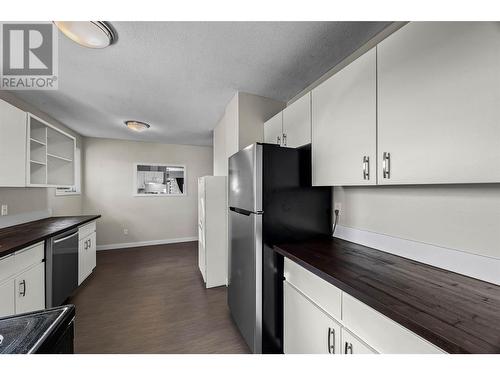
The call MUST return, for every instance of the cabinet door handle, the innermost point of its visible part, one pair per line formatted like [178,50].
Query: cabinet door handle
[386,162]
[366,167]
[22,288]
[90,243]
[85,245]
[284,139]
[278,140]
[331,340]
[348,348]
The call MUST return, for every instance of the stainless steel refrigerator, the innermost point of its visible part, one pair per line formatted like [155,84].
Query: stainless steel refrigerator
[271,201]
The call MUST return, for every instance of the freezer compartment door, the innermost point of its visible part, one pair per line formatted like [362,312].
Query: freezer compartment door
[245,179]
[245,276]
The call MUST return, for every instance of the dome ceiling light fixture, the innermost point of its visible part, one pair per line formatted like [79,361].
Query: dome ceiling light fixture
[137,126]
[91,34]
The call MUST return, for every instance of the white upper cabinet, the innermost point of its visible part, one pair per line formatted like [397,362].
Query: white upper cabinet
[297,122]
[439,103]
[12,146]
[51,155]
[273,129]
[344,125]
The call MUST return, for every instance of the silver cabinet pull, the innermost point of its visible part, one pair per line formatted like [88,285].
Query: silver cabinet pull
[348,348]
[366,167]
[278,140]
[284,139]
[22,288]
[85,245]
[331,340]
[386,163]
[90,243]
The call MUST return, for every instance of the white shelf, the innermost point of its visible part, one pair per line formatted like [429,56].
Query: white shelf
[59,157]
[38,174]
[60,172]
[51,154]
[37,162]
[37,141]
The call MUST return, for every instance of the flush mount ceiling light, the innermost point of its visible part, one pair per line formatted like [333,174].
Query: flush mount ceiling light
[91,34]
[137,126]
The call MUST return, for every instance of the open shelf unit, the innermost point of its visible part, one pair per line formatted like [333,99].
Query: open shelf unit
[51,155]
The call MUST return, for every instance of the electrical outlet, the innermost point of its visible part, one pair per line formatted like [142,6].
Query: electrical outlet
[5,210]
[125,231]
[337,206]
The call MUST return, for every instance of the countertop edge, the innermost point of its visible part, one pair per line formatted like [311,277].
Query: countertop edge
[88,218]
[433,338]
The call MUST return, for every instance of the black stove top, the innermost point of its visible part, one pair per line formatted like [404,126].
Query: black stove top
[27,333]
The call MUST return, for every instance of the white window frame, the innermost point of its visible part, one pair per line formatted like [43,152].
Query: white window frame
[134,180]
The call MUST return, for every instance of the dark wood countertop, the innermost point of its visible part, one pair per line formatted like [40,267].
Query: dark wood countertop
[456,313]
[20,236]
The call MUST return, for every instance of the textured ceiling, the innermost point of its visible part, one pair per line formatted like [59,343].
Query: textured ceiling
[179,76]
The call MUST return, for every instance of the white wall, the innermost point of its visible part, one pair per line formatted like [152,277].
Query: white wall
[241,125]
[220,159]
[23,201]
[108,184]
[253,111]
[461,217]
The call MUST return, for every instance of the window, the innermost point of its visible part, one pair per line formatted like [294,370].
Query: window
[76,189]
[155,180]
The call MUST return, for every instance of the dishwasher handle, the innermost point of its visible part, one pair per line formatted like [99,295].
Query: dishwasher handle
[66,237]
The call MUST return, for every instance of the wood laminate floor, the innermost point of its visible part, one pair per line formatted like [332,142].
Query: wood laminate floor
[152,300]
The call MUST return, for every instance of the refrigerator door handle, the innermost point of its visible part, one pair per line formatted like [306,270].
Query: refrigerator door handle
[244,212]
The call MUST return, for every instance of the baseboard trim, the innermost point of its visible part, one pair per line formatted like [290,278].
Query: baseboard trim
[117,246]
[10,220]
[476,266]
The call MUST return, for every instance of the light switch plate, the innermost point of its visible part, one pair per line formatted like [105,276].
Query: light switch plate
[5,210]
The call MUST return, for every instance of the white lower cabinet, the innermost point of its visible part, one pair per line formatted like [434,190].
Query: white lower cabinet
[30,289]
[7,298]
[321,333]
[355,329]
[22,281]
[383,334]
[353,345]
[86,251]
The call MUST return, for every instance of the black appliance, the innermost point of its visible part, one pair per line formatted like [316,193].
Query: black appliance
[271,201]
[48,331]
[61,267]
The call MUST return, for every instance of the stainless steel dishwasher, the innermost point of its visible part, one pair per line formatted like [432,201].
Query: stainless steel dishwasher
[61,267]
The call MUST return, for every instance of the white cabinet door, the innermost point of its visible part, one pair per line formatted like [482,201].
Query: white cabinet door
[273,129]
[86,256]
[344,125]
[30,289]
[297,122]
[91,253]
[438,103]
[201,227]
[82,260]
[7,299]
[307,329]
[12,145]
[353,345]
